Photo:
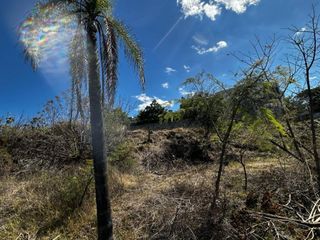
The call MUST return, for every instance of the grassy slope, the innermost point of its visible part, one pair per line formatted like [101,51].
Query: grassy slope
[172,204]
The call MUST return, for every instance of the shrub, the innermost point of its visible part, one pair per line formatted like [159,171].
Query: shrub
[122,157]
[6,163]
[116,122]
[57,145]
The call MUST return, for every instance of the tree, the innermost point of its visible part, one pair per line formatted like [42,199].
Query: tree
[96,32]
[306,44]
[203,109]
[302,100]
[205,104]
[250,133]
[243,91]
[233,102]
[152,113]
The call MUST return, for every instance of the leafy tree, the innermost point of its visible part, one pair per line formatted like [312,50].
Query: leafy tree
[171,116]
[250,133]
[97,32]
[298,140]
[151,114]
[234,102]
[205,105]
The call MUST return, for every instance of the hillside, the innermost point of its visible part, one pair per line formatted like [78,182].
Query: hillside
[161,189]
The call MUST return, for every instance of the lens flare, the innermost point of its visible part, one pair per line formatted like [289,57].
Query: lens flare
[46,36]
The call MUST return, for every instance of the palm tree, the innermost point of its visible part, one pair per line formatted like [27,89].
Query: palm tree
[94,56]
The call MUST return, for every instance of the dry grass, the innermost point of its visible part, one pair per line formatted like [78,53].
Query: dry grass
[36,206]
[147,205]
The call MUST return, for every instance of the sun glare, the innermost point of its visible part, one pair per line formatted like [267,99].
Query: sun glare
[46,36]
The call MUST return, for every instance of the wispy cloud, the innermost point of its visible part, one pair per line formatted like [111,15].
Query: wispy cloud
[213,9]
[147,100]
[187,68]
[165,85]
[220,45]
[169,70]
[313,77]
[199,39]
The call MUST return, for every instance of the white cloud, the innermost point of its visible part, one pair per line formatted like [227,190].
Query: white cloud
[220,45]
[313,77]
[147,100]
[165,85]
[184,92]
[238,6]
[301,31]
[199,8]
[199,39]
[212,9]
[191,7]
[170,70]
[187,68]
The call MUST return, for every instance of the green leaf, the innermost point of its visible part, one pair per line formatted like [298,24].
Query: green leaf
[274,122]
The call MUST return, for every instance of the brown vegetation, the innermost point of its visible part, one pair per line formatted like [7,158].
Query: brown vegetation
[168,201]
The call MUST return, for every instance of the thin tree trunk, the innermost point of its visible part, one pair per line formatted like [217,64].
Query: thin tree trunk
[218,180]
[104,219]
[222,156]
[244,171]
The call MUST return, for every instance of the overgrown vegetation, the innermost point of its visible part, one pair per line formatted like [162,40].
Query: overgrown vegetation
[246,166]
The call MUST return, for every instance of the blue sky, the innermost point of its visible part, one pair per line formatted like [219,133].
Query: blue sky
[179,39]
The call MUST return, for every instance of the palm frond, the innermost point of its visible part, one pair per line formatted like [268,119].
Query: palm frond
[104,6]
[78,65]
[110,60]
[33,59]
[131,47]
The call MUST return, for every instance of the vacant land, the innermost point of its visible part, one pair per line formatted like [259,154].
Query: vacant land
[161,195]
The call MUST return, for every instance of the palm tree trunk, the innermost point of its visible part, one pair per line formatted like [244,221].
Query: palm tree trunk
[97,131]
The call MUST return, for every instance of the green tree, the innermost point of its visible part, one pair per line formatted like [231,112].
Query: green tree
[151,114]
[97,32]
[206,104]
[203,109]
[302,100]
